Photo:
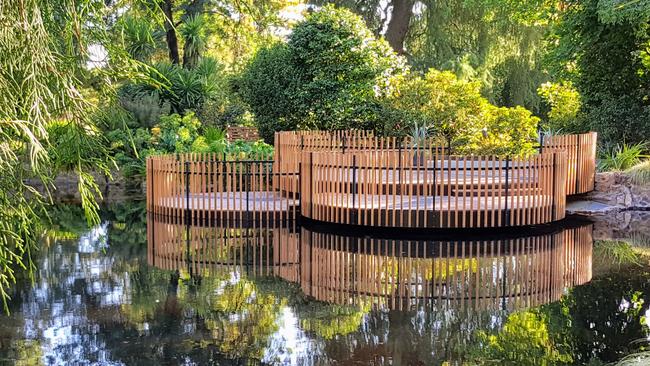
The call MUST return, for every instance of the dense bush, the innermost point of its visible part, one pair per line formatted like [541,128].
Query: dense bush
[600,47]
[562,102]
[328,76]
[176,133]
[454,111]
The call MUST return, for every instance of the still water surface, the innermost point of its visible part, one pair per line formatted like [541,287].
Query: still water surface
[135,290]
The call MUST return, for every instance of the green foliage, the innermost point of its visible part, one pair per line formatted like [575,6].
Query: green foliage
[613,89]
[499,43]
[452,108]
[328,76]
[621,157]
[145,109]
[138,36]
[524,340]
[455,111]
[617,252]
[563,103]
[176,133]
[268,85]
[193,32]
[507,131]
[183,89]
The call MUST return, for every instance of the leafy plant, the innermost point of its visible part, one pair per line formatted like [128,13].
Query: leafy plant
[459,115]
[621,157]
[563,102]
[176,133]
[194,34]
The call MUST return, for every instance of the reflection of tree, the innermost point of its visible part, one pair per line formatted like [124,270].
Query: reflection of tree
[608,314]
[239,318]
[523,340]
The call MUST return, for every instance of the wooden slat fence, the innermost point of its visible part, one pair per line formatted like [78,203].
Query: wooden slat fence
[581,155]
[205,187]
[431,189]
[480,273]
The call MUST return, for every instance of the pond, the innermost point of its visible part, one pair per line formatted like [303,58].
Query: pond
[139,290]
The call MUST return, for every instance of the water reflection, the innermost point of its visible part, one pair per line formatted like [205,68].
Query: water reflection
[496,274]
[288,294]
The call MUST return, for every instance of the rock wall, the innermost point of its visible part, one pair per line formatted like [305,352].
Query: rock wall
[616,189]
[117,189]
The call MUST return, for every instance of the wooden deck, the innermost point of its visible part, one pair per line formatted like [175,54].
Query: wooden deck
[356,178]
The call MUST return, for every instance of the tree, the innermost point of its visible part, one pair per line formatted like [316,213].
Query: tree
[455,111]
[167,7]
[614,88]
[44,49]
[500,43]
[398,26]
[335,70]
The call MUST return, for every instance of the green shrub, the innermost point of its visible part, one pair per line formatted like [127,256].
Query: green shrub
[268,85]
[145,109]
[328,76]
[563,104]
[621,157]
[455,112]
[176,133]
[183,89]
[507,131]
[450,108]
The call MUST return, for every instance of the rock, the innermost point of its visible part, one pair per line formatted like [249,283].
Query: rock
[616,189]
[590,208]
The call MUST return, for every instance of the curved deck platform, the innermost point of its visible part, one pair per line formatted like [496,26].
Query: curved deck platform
[379,189]
[355,178]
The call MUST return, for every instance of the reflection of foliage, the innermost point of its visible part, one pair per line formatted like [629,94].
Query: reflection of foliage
[635,359]
[128,231]
[66,222]
[27,352]
[615,252]
[330,320]
[240,318]
[524,340]
[605,317]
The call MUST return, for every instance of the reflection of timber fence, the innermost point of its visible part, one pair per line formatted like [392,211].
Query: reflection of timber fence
[268,250]
[429,189]
[475,273]
[492,274]
[205,187]
[581,156]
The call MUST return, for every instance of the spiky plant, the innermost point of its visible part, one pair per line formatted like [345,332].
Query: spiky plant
[622,157]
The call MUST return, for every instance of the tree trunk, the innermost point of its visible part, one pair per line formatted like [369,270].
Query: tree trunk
[170,31]
[398,25]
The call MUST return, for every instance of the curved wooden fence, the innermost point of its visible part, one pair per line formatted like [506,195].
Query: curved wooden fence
[353,177]
[581,156]
[207,187]
[290,146]
[427,189]
[480,273]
